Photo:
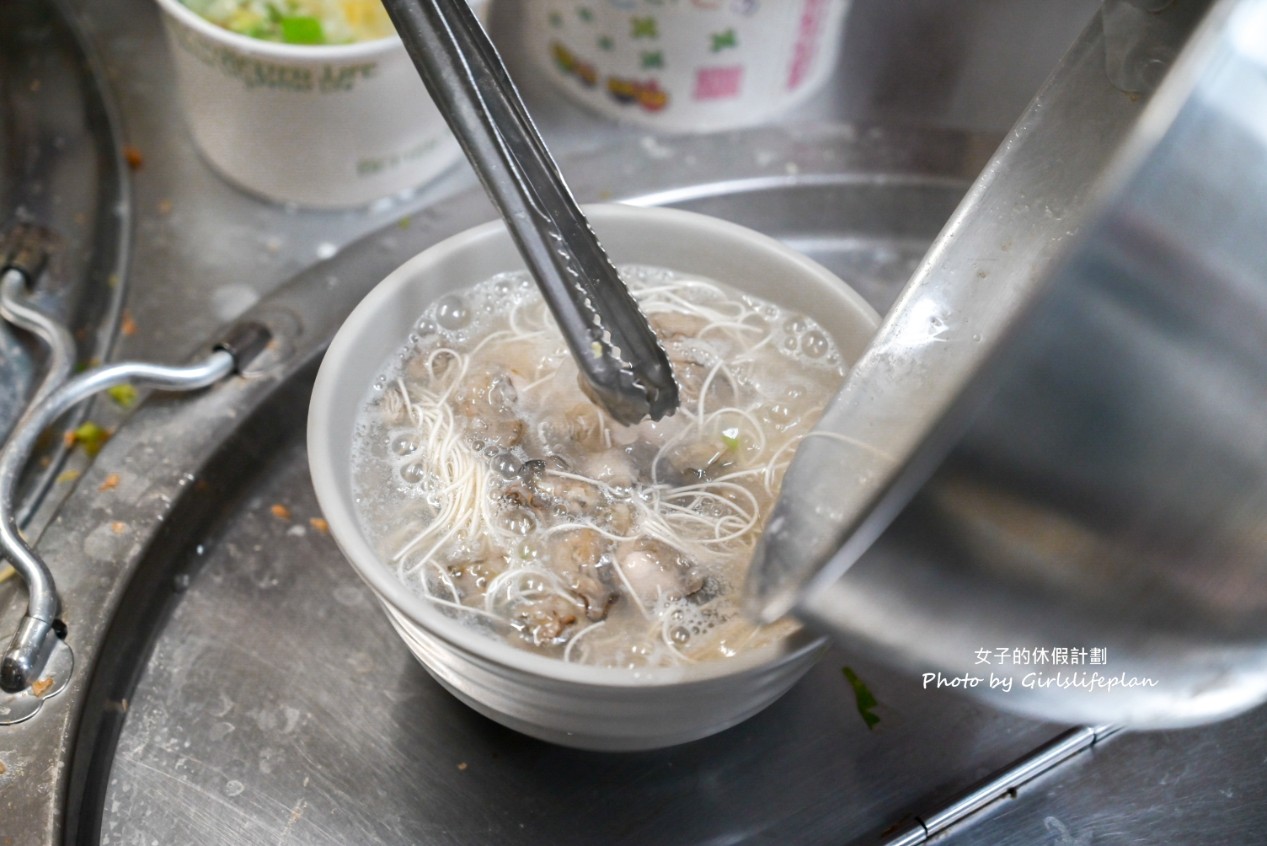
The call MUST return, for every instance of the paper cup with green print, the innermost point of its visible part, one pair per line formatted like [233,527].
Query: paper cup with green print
[690,65]
[321,126]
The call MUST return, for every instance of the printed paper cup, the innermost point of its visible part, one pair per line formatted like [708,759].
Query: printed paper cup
[690,65]
[319,126]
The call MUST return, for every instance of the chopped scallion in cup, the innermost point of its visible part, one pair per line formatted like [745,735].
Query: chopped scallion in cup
[308,22]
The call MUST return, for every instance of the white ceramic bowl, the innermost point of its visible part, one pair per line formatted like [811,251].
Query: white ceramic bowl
[570,704]
[319,126]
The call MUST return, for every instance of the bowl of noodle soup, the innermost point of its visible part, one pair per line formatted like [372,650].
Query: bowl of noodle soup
[568,577]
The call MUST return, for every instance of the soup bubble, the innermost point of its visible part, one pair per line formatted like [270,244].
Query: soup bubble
[452,313]
[502,394]
[506,465]
[815,344]
[519,521]
[778,415]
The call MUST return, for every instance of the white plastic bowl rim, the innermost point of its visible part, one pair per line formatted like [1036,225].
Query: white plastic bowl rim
[296,53]
[344,524]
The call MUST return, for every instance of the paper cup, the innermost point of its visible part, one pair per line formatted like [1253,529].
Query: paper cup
[318,126]
[690,65]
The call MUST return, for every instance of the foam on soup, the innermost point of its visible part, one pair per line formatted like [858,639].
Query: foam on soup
[497,489]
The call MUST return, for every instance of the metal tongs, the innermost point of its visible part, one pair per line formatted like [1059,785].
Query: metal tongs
[623,367]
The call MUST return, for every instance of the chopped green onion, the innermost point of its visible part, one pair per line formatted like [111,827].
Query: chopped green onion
[730,437]
[302,30]
[124,395]
[91,437]
[863,697]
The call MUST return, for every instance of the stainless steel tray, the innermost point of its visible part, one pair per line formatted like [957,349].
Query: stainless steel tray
[273,698]
[248,690]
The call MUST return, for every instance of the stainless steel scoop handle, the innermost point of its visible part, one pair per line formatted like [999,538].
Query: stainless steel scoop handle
[622,364]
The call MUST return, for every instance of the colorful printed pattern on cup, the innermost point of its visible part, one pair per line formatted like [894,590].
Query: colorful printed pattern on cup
[645,54]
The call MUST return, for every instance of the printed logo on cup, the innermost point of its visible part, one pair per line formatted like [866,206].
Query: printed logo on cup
[254,72]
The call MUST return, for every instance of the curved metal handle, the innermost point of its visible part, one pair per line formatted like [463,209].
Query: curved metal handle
[29,650]
[27,250]
[60,343]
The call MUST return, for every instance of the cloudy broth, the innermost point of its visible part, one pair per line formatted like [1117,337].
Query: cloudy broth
[492,485]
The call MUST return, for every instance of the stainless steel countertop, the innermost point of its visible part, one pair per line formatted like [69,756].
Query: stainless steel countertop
[204,253]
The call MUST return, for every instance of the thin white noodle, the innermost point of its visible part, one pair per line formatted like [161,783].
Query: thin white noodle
[633,594]
[567,650]
[447,580]
[845,439]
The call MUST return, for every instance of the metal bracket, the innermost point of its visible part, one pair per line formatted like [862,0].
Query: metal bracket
[26,250]
[32,651]
[55,675]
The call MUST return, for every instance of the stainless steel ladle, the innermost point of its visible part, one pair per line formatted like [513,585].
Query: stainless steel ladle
[1051,458]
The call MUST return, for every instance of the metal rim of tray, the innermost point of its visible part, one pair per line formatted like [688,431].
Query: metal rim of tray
[115,608]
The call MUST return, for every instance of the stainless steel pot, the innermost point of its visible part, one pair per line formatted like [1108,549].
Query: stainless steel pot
[1046,482]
